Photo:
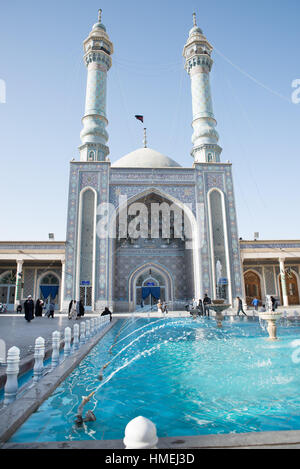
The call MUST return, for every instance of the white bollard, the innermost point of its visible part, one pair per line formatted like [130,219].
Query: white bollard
[87,329]
[67,347]
[76,337]
[140,433]
[55,349]
[12,371]
[82,333]
[39,353]
[92,327]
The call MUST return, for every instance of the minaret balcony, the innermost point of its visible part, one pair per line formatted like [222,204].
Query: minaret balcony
[203,60]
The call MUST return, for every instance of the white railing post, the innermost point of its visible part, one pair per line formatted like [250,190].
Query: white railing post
[55,349]
[82,333]
[140,433]
[76,337]
[39,353]
[87,329]
[12,371]
[92,327]
[68,336]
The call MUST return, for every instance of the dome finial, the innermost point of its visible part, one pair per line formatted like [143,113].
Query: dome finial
[99,15]
[194,19]
[145,138]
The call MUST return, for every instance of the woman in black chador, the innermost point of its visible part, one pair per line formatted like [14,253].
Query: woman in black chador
[39,307]
[29,309]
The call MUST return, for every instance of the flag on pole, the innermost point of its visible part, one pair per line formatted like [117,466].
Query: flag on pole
[140,118]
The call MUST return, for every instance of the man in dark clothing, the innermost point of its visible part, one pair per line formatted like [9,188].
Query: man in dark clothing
[274,303]
[206,303]
[106,312]
[81,309]
[29,309]
[240,306]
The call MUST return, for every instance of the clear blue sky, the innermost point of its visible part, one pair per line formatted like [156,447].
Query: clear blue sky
[41,63]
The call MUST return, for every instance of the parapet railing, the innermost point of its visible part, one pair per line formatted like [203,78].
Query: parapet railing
[82,333]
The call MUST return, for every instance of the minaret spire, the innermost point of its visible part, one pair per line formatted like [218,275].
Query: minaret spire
[97,57]
[194,19]
[198,63]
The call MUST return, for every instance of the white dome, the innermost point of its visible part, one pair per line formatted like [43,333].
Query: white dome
[145,158]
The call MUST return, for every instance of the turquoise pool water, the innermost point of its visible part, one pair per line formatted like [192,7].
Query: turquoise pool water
[188,377]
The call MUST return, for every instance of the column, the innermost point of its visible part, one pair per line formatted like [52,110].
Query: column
[19,280]
[62,283]
[283,283]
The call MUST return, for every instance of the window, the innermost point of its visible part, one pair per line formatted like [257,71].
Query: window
[49,279]
[8,278]
[92,155]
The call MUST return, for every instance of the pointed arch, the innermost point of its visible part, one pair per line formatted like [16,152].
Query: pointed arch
[253,285]
[212,241]
[193,226]
[80,239]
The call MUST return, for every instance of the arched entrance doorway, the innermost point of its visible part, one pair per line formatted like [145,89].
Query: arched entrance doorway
[252,287]
[291,288]
[147,285]
[49,288]
[150,287]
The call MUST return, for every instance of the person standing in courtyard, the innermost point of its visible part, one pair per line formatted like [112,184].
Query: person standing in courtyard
[274,303]
[200,307]
[39,308]
[206,303]
[81,309]
[240,306]
[29,309]
[51,310]
[106,312]
[255,303]
[72,313]
[160,307]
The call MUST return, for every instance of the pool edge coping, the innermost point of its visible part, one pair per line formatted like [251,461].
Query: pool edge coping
[20,410]
[254,440]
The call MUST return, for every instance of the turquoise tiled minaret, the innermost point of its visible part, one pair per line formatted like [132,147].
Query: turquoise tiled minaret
[198,63]
[97,57]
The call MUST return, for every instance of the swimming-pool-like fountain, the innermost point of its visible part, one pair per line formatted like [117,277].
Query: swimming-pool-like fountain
[187,376]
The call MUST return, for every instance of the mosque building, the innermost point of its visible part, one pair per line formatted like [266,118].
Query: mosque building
[144,227]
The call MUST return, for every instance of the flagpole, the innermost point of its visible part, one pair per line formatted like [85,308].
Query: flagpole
[145,138]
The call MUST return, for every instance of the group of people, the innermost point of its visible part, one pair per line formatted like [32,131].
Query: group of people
[32,310]
[200,307]
[76,309]
[274,303]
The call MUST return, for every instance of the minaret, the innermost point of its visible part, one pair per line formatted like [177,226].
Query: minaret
[97,57]
[198,63]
